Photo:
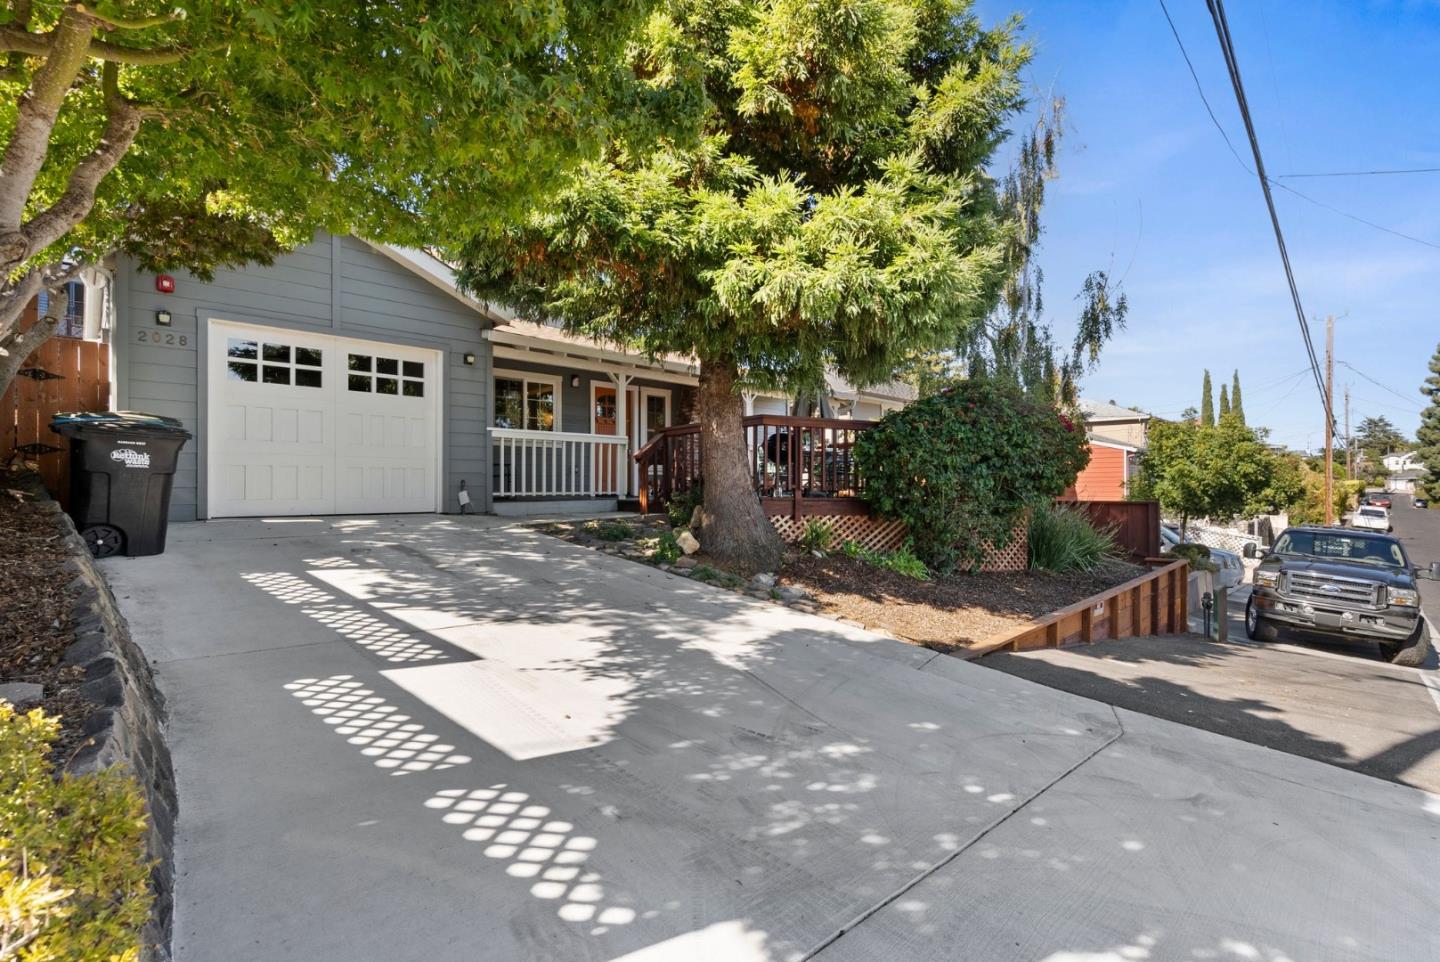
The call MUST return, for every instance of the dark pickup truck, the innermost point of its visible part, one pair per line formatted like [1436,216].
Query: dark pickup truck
[1342,582]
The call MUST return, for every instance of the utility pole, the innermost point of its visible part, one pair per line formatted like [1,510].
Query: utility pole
[1330,419]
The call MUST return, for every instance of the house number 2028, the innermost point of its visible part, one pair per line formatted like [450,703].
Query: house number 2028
[165,338]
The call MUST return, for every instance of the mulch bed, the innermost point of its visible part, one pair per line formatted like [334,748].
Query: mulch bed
[948,613]
[35,627]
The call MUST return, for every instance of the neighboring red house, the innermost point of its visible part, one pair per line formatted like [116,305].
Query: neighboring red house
[1107,476]
[1117,436]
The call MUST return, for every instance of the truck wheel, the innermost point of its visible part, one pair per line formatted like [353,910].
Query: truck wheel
[1257,628]
[1412,653]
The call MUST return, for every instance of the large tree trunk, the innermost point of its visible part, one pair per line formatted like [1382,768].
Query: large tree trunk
[736,532]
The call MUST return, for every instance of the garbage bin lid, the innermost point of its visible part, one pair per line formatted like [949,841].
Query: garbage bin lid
[118,422]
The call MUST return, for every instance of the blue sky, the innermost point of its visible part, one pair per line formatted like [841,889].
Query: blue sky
[1149,190]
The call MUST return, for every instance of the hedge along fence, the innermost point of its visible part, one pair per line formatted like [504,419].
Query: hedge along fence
[960,469]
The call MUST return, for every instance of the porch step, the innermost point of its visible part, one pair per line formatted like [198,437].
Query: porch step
[629,504]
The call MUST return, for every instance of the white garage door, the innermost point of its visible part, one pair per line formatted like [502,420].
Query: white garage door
[311,424]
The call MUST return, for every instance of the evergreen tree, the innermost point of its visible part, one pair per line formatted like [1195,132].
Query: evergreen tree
[1207,404]
[831,210]
[1377,437]
[1236,407]
[1427,438]
[1224,402]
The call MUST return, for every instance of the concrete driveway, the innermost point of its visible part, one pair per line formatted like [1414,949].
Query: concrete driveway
[446,739]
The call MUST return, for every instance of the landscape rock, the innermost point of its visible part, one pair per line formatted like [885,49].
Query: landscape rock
[22,694]
[763,580]
[687,542]
[792,593]
[685,562]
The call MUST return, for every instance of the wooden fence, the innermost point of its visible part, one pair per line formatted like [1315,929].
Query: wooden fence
[64,374]
[1136,524]
[1156,603]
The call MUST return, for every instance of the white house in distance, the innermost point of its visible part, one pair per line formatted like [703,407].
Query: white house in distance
[1402,461]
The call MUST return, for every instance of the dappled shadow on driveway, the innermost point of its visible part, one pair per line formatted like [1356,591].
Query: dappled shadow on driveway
[644,765]
[1365,716]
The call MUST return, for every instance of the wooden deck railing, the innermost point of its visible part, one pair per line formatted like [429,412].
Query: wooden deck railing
[798,466]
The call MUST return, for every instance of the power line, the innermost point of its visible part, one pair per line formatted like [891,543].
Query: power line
[1365,173]
[1222,32]
[1410,401]
[1199,89]
[1356,218]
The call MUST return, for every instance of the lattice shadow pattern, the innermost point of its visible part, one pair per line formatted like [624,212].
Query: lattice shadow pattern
[517,831]
[354,623]
[394,741]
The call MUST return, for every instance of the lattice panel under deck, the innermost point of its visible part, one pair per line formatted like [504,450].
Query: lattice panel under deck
[868,532]
[880,535]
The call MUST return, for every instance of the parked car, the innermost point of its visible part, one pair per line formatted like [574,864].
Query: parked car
[1341,583]
[1372,518]
[1230,570]
[1419,503]
[1381,501]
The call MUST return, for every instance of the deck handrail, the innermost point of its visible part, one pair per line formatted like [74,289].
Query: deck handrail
[796,457]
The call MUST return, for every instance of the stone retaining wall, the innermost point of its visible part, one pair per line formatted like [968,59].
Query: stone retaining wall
[127,726]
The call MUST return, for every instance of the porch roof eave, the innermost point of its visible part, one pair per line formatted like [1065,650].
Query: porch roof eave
[580,355]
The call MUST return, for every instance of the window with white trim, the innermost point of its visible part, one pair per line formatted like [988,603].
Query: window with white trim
[527,401]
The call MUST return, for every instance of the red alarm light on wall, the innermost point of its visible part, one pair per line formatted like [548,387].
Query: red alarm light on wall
[165,284]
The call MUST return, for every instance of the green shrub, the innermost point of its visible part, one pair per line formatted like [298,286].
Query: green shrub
[667,549]
[961,467]
[902,561]
[1197,554]
[611,530]
[74,880]
[818,535]
[1063,539]
[682,506]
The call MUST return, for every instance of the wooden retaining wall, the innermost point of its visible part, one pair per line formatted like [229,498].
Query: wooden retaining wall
[1156,603]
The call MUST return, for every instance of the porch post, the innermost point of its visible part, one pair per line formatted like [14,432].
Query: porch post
[623,467]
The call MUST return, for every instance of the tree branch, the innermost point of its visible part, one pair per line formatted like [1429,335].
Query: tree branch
[123,120]
[66,52]
[17,40]
[131,23]
[12,305]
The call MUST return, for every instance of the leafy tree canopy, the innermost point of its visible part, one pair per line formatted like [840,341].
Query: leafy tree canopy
[835,211]
[199,134]
[1219,471]
[1377,437]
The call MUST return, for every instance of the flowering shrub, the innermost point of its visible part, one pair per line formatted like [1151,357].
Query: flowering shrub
[961,468]
[74,881]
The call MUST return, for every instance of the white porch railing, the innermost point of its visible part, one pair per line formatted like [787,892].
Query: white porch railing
[530,464]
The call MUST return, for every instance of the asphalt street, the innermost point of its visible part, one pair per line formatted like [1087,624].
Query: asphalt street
[1333,701]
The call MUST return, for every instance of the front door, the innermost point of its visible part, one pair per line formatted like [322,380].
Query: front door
[604,419]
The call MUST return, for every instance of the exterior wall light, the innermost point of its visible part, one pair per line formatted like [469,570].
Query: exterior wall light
[469,358]
[162,318]
[574,380]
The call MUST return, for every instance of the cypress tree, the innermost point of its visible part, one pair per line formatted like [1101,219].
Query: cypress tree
[1224,402]
[1207,404]
[1427,438]
[1236,408]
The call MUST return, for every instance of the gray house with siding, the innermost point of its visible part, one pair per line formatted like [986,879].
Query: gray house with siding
[352,377]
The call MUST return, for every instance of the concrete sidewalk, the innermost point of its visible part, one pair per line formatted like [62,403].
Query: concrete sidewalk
[445,738]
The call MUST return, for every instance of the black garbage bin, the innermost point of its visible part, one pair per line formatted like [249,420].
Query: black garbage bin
[122,465]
